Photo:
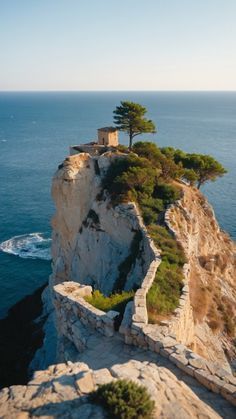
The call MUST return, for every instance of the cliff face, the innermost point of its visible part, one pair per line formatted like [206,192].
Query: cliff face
[92,242]
[91,239]
[212,259]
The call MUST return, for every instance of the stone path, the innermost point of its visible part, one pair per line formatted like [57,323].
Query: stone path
[61,390]
[104,352]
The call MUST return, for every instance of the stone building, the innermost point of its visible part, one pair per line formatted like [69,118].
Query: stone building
[108,136]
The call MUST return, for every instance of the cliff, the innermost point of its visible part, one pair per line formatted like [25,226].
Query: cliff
[91,239]
[97,245]
[212,280]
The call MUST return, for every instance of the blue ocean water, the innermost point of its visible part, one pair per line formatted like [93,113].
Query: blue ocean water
[36,130]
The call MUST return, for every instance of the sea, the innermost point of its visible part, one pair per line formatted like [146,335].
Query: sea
[36,130]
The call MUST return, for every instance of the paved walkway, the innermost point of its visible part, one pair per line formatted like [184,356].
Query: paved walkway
[61,390]
[103,352]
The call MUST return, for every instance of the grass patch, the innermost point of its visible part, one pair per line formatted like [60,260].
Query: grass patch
[115,301]
[163,296]
[124,399]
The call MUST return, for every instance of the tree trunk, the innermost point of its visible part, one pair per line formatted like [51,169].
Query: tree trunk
[130,142]
[199,184]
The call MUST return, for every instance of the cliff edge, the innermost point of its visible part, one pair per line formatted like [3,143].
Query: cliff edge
[99,245]
[211,256]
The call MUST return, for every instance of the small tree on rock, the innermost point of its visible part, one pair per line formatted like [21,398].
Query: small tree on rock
[129,117]
[205,167]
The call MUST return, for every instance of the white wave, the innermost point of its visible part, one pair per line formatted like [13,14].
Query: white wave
[33,246]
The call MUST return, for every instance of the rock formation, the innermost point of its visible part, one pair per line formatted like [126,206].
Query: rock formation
[90,237]
[91,241]
[212,259]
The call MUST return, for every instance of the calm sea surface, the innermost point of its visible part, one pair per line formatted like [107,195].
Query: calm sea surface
[36,130]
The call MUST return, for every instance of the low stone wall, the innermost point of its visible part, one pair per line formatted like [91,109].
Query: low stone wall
[167,338]
[182,323]
[75,317]
[209,374]
[140,314]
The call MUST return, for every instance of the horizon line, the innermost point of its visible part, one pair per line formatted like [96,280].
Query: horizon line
[116,91]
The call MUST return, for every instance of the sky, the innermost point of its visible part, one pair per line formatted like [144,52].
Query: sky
[117,45]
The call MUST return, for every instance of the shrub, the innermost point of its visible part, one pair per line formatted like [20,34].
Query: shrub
[137,178]
[115,302]
[124,399]
[149,215]
[148,150]
[122,148]
[168,193]
[163,296]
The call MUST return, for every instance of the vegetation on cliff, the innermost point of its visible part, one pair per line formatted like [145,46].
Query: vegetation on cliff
[148,175]
[144,177]
[195,168]
[124,399]
[199,168]
[116,301]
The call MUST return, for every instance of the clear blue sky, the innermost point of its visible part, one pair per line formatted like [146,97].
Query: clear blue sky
[118,44]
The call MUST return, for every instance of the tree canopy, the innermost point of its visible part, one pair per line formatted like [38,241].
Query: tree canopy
[199,168]
[129,117]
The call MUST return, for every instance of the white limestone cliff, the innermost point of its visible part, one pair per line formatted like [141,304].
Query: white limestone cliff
[90,237]
[91,240]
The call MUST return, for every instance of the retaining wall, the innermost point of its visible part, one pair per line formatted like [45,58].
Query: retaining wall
[167,338]
[75,317]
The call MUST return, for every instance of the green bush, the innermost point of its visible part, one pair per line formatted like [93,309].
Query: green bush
[115,302]
[122,148]
[168,193]
[148,150]
[149,215]
[145,179]
[124,399]
[163,296]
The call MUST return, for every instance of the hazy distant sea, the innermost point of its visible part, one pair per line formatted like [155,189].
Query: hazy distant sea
[36,130]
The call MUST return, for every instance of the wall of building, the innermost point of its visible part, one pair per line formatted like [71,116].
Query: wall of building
[108,138]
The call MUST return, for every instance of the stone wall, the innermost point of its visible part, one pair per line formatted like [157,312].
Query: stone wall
[140,314]
[209,374]
[170,337]
[75,317]
[182,323]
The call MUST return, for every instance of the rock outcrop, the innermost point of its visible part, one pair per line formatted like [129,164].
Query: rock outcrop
[61,391]
[93,244]
[212,278]
[91,239]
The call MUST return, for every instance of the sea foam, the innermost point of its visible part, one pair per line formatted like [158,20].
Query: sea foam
[33,246]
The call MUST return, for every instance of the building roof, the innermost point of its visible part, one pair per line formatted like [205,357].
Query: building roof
[108,129]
